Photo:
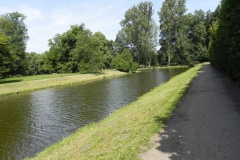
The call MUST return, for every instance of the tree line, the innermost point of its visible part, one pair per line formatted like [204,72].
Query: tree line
[181,39]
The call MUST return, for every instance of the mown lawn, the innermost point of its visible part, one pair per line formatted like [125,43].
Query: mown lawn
[30,83]
[35,77]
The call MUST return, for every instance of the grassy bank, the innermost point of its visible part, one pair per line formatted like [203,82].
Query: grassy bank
[121,135]
[34,77]
[29,83]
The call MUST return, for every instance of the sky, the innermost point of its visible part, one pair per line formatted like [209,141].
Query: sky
[46,18]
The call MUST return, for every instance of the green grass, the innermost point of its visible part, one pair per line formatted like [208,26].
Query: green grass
[35,77]
[122,134]
[29,83]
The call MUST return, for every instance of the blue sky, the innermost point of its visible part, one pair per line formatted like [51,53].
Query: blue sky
[46,18]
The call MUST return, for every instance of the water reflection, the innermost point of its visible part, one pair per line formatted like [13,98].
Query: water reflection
[30,122]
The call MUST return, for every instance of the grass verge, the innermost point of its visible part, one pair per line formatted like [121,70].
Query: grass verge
[34,77]
[30,83]
[121,135]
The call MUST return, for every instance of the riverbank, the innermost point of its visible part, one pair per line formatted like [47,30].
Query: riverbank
[121,135]
[37,84]
[162,67]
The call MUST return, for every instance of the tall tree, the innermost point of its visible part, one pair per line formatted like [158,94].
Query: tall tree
[35,63]
[87,52]
[60,56]
[105,49]
[124,62]
[211,17]
[197,30]
[122,41]
[153,43]
[137,28]
[171,15]
[212,43]
[13,26]
[5,55]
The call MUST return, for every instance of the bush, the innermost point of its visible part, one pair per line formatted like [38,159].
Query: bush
[124,62]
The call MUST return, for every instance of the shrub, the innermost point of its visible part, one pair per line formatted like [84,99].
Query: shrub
[124,62]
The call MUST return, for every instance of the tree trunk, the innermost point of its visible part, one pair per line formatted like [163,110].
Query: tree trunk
[149,62]
[169,59]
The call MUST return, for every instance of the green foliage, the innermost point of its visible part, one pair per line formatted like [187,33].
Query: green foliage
[13,26]
[198,49]
[212,44]
[35,63]
[106,49]
[171,18]
[138,32]
[112,51]
[183,36]
[211,17]
[5,55]
[88,53]
[76,50]
[224,50]
[124,62]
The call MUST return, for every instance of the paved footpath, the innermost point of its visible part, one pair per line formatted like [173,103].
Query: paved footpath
[206,124]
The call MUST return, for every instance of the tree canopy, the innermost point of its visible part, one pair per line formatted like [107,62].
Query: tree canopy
[5,55]
[124,62]
[182,36]
[13,26]
[139,32]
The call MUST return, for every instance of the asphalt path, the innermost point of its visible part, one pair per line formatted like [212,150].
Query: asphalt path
[206,124]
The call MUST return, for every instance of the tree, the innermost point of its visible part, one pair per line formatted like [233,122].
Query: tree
[13,26]
[54,55]
[35,63]
[183,44]
[212,43]
[5,55]
[87,53]
[171,18]
[68,42]
[211,17]
[121,41]
[124,62]
[183,36]
[197,35]
[136,33]
[105,48]
[76,50]
[153,43]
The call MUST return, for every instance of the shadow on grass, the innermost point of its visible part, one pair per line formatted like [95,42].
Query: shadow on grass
[5,81]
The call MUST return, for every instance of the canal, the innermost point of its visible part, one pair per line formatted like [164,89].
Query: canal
[32,121]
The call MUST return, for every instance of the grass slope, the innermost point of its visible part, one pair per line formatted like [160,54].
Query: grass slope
[34,77]
[121,135]
[29,83]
